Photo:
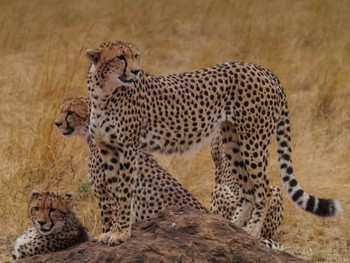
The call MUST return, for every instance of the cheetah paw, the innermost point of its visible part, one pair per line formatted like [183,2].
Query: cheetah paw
[114,238]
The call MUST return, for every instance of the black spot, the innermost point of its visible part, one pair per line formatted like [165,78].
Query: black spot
[286,157]
[286,178]
[293,183]
[283,144]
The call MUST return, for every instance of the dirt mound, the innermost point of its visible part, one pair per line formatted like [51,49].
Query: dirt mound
[176,235]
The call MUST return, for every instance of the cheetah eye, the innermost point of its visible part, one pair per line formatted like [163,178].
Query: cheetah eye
[52,209]
[36,208]
[121,57]
[137,56]
[70,113]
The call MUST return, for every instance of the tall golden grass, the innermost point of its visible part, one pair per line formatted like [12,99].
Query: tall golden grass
[305,43]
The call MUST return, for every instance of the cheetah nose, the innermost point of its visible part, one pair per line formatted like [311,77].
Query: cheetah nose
[135,71]
[41,222]
[58,123]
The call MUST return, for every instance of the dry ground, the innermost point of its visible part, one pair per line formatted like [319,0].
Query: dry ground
[305,43]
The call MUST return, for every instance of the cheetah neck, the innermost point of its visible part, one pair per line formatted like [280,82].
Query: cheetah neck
[84,133]
[112,116]
[97,103]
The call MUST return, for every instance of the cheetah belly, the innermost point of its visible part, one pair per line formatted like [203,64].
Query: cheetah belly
[179,139]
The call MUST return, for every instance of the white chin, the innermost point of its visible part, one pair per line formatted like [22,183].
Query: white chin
[68,134]
[54,230]
[127,84]
[45,233]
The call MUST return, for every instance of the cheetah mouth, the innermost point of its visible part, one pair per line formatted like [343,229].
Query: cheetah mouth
[68,132]
[123,79]
[43,231]
[53,229]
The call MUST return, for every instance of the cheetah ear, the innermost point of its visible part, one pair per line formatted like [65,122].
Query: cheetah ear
[34,193]
[69,196]
[93,55]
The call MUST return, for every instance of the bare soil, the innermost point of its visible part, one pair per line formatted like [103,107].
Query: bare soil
[176,235]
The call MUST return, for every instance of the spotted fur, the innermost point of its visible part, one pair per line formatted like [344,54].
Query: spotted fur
[54,226]
[131,109]
[155,189]
[225,195]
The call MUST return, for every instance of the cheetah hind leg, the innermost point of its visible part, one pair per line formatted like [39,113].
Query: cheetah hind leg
[232,157]
[255,162]
[271,244]
[274,214]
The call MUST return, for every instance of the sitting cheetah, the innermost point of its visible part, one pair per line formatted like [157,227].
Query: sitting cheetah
[131,109]
[155,189]
[54,226]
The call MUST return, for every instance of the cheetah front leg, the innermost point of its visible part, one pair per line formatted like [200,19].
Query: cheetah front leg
[120,169]
[106,211]
[97,178]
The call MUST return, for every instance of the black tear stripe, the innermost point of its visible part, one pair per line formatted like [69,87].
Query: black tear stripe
[68,125]
[125,66]
[51,220]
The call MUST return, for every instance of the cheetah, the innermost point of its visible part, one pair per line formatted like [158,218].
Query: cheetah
[152,192]
[54,225]
[132,110]
[155,189]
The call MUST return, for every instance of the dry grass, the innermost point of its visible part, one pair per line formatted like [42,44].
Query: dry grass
[306,43]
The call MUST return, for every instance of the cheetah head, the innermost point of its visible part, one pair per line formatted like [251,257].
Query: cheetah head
[73,117]
[114,65]
[48,211]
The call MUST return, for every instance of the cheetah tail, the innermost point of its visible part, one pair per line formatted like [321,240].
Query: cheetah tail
[309,203]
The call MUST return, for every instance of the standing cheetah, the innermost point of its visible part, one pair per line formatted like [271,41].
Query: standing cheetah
[54,226]
[155,189]
[131,109]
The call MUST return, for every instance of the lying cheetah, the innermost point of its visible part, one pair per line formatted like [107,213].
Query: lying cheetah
[54,226]
[155,189]
[131,109]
